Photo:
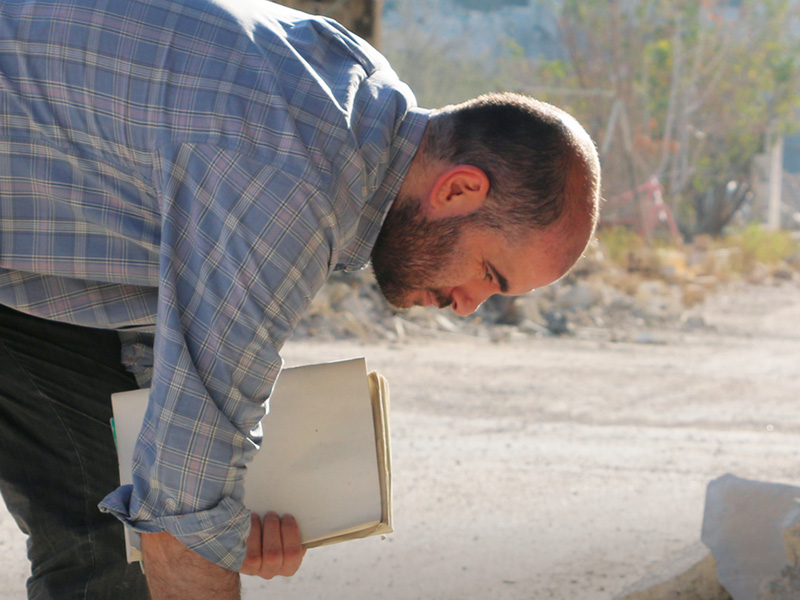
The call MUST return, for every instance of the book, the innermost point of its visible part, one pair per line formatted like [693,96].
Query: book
[325,455]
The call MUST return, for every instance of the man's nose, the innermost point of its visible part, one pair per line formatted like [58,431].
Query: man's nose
[466,302]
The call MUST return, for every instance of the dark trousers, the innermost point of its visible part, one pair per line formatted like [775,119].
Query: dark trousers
[57,456]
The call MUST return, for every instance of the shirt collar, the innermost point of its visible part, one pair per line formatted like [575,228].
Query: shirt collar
[404,146]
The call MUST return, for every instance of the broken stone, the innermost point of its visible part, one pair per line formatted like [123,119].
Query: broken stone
[646,337]
[690,576]
[356,307]
[556,323]
[787,587]
[505,309]
[621,303]
[693,321]
[791,534]
[742,526]
[577,298]
[531,327]
[783,272]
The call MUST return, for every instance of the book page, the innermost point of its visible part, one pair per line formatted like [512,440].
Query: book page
[318,459]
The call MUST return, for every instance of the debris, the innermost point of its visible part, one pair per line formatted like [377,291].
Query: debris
[576,298]
[693,321]
[742,526]
[692,575]
[646,337]
[787,586]
[556,323]
[654,292]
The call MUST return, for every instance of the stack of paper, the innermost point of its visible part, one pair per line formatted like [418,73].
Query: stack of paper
[325,456]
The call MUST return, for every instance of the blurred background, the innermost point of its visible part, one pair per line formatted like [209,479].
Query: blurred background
[700,97]
[697,99]
[694,109]
[559,445]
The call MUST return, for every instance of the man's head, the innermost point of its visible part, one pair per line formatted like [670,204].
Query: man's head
[501,197]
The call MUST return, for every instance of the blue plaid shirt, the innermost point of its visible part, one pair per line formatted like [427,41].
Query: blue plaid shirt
[200,167]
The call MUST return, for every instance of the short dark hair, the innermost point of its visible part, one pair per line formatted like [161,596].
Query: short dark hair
[534,160]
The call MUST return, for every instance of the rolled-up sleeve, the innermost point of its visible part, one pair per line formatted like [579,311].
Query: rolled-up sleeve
[245,245]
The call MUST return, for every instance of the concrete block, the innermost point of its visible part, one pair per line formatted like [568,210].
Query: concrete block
[743,528]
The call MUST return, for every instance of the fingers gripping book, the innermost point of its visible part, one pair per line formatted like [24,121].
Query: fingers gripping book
[324,458]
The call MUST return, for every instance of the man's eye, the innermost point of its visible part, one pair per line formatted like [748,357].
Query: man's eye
[488,275]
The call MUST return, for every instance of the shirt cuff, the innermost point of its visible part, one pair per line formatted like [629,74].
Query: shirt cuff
[217,534]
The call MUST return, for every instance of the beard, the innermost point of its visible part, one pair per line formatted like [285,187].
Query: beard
[412,253]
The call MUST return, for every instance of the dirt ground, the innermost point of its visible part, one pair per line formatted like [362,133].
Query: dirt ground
[554,467]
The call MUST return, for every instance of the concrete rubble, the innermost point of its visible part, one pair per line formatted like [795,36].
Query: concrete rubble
[750,549]
[743,526]
[787,586]
[658,291]
[690,576]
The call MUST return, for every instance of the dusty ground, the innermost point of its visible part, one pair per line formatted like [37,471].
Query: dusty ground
[554,468]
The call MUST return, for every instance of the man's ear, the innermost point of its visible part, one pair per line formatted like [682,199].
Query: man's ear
[458,191]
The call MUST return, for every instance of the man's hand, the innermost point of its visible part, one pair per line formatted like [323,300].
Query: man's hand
[175,573]
[273,548]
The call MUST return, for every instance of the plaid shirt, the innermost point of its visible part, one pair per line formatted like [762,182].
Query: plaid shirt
[201,167]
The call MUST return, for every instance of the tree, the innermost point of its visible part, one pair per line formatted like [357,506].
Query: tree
[692,88]
[433,65]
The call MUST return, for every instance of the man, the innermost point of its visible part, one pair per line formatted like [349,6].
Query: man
[196,169]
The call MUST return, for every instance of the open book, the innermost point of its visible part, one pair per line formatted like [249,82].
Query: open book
[325,455]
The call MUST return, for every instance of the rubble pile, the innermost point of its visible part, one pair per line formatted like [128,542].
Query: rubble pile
[655,289]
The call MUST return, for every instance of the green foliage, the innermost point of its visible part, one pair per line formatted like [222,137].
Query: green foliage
[732,256]
[553,69]
[701,83]
[514,48]
[756,244]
